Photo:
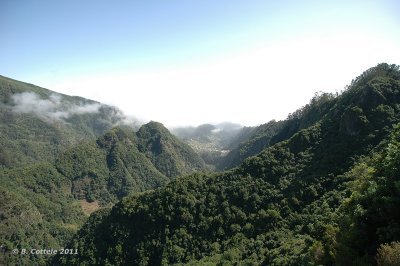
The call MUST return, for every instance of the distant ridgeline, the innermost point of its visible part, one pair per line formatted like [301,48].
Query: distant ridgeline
[212,142]
[62,158]
[324,189]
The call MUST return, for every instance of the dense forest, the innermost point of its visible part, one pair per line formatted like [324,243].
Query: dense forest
[319,188]
[44,203]
[46,194]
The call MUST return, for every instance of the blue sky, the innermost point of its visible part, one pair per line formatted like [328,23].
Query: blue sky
[192,62]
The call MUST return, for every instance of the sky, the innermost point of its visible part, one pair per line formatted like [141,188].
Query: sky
[193,62]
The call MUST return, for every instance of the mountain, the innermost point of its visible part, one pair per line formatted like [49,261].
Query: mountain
[109,168]
[252,141]
[123,161]
[170,155]
[36,124]
[210,141]
[221,134]
[227,145]
[326,193]
[45,203]
[63,157]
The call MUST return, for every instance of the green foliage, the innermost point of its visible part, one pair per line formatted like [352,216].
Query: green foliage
[108,169]
[281,207]
[273,132]
[36,210]
[322,189]
[169,155]
[370,92]
[389,254]
[258,140]
[372,212]
[48,164]
[46,195]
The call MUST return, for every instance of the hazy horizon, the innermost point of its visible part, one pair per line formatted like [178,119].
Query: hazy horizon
[189,63]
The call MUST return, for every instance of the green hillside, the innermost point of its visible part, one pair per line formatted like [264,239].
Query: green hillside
[327,193]
[169,155]
[37,210]
[123,161]
[252,141]
[249,142]
[61,158]
[52,198]
[36,124]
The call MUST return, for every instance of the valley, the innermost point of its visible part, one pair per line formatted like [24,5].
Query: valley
[318,188]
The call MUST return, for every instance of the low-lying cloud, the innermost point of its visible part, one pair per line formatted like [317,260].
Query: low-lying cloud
[52,108]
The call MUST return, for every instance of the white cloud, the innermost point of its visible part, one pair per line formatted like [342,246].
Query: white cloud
[249,88]
[51,108]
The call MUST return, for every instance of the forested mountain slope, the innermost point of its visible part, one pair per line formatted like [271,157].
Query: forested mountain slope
[252,142]
[43,204]
[170,156]
[249,142]
[273,132]
[327,193]
[123,161]
[36,124]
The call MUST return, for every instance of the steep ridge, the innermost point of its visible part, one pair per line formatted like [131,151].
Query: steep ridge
[109,168]
[171,156]
[123,161]
[281,207]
